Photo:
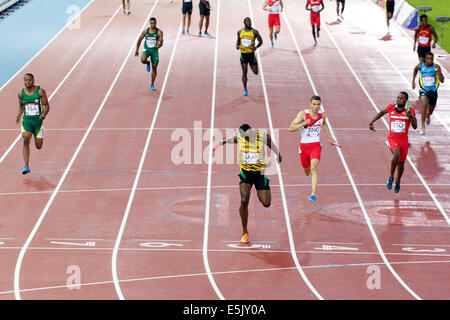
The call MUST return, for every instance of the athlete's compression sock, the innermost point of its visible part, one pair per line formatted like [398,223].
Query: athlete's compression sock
[389,183]
[148,66]
[26,170]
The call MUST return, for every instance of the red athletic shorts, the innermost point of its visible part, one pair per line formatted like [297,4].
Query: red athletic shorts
[402,145]
[309,151]
[315,18]
[274,20]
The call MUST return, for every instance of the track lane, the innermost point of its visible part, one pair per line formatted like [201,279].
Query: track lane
[365,173]
[122,33]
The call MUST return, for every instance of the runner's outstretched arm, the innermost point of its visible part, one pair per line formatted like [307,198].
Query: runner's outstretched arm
[20,110]
[138,44]
[160,40]
[273,147]
[298,122]
[416,70]
[327,130]
[439,72]
[378,116]
[45,104]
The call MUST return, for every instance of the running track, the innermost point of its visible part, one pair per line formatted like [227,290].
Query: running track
[104,195]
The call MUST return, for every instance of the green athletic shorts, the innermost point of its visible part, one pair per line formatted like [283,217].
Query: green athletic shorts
[33,125]
[153,54]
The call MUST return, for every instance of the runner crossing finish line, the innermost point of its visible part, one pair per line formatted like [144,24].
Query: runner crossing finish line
[252,164]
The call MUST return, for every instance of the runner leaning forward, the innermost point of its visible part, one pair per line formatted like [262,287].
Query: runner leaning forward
[33,104]
[153,41]
[252,165]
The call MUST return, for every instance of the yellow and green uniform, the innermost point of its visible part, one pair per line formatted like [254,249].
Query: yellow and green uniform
[32,109]
[150,45]
[252,161]
[247,39]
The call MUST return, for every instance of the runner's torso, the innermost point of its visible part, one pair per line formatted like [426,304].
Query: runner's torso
[251,153]
[151,39]
[315,5]
[398,122]
[247,40]
[274,6]
[311,132]
[32,104]
[428,79]
[424,36]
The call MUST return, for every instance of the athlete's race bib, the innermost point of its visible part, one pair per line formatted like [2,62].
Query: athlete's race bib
[314,131]
[398,126]
[315,8]
[275,8]
[31,109]
[428,81]
[251,157]
[423,40]
[151,43]
[246,42]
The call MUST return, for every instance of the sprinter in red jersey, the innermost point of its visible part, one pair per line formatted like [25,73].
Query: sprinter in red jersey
[274,7]
[422,37]
[310,122]
[401,116]
[315,6]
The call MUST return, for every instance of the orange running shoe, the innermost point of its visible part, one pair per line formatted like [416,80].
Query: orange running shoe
[244,239]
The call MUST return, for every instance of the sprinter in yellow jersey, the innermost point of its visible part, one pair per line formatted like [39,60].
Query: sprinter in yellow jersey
[246,43]
[252,165]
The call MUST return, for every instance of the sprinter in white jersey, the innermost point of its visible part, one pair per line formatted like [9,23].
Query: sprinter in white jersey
[311,123]
[274,7]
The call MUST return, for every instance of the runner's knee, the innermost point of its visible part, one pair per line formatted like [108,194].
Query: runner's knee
[244,201]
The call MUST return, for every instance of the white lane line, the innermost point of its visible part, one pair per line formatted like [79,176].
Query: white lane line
[435,200]
[139,170]
[65,78]
[210,151]
[280,178]
[258,250]
[347,170]
[48,43]
[224,272]
[213,187]
[63,177]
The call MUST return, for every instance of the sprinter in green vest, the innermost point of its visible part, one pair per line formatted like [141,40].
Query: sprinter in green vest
[153,41]
[33,104]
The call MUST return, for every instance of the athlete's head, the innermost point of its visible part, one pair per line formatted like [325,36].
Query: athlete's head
[28,80]
[246,131]
[402,98]
[248,23]
[315,103]
[423,20]
[153,22]
[429,58]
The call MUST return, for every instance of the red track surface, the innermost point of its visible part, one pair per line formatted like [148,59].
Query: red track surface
[161,248]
